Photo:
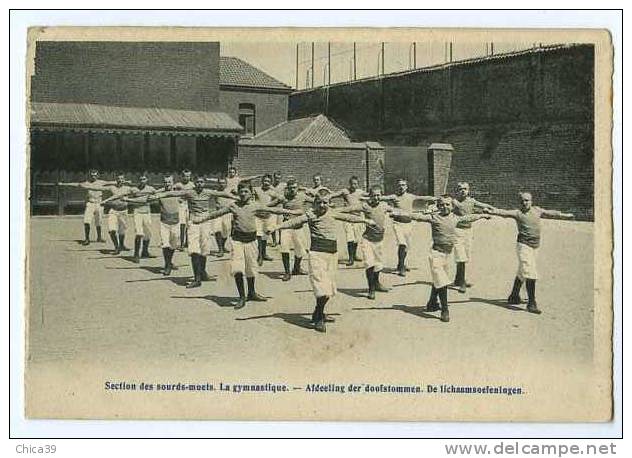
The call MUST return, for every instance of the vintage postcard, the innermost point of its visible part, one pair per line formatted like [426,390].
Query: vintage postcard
[319,224]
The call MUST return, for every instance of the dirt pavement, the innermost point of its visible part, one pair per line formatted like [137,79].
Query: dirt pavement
[89,307]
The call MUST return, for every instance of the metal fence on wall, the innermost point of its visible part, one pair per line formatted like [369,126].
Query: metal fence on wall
[323,63]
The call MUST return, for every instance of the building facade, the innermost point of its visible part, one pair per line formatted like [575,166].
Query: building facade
[124,106]
[251,97]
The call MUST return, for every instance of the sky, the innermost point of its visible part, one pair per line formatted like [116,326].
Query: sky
[279,59]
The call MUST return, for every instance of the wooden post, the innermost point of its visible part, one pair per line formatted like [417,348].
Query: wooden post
[354,61]
[414,54]
[328,63]
[312,64]
[383,58]
[297,66]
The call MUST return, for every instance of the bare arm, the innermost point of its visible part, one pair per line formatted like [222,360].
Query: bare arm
[291,223]
[420,217]
[474,217]
[351,218]
[224,194]
[217,213]
[94,187]
[281,211]
[500,212]
[249,178]
[556,214]
[350,209]
[482,205]
[136,200]
[424,198]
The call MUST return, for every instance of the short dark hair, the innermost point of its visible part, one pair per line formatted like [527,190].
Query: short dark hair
[291,181]
[267,175]
[353,177]
[244,184]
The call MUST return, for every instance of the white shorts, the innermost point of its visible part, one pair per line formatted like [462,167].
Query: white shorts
[226,225]
[263,225]
[372,254]
[214,225]
[403,233]
[183,213]
[199,235]
[322,272]
[93,211]
[142,224]
[463,245]
[169,235]
[526,262]
[439,268]
[293,239]
[354,231]
[117,221]
[243,258]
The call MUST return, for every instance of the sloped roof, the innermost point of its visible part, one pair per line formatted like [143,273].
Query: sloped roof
[236,72]
[88,117]
[315,130]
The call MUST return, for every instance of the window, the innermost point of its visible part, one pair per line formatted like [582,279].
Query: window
[247,118]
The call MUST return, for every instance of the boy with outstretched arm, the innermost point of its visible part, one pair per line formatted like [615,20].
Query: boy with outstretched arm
[323,255]
[244,239]
[464,204]
[443,224]
[373,238]
[353,195]
[528,219]
[117,210]
[199,231]
[93,210]
[169,220]
[264,195]
[404,201]
[294,239]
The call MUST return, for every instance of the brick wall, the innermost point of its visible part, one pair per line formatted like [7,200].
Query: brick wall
[519,122]
[336,165]
[135,74]
[270,108]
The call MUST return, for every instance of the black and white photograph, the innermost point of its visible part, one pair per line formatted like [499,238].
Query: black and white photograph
[333,224]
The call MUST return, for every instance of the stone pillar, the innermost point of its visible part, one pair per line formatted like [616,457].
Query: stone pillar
[439,161]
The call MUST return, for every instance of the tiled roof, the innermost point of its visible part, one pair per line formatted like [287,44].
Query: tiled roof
[316,130]
[83,115]
[236,72]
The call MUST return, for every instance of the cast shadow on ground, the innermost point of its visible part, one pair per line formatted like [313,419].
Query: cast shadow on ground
[394,271]
[420,312]
[301,320]
[354,292]
[179,281]
[88,250]
[222,301]
[418,282]
[274,275]
[502,303]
